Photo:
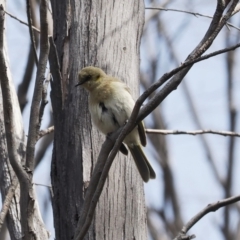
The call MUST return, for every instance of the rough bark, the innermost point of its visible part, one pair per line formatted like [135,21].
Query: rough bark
[6,172]
[104,34]
[6,176]
[12,156]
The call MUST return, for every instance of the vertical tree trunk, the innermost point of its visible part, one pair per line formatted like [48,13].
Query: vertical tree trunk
[6,171]
[105,34]
[12,149]
[6,177]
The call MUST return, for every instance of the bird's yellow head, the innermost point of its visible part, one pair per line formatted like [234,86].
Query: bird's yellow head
[90,77]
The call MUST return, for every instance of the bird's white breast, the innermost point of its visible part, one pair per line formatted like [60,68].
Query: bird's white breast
[113,111]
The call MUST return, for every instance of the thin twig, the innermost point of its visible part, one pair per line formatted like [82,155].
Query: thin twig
[21,21]
[8,200]
[210,208]
[196,132]
[228,24]
[47,186]
[29,16]
[42,185]
[45,132]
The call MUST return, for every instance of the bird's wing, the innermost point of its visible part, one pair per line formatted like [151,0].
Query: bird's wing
[130,104]
[121,103]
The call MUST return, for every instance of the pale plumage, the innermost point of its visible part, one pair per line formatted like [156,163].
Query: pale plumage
[110,105]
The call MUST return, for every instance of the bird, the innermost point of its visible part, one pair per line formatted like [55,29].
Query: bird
[110,105]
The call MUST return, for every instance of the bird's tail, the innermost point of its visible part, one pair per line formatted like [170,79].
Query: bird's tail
[145,169]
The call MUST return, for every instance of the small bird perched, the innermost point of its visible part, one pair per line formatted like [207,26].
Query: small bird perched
[111,105]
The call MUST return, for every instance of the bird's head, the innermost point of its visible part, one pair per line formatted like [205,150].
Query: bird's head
[90,77]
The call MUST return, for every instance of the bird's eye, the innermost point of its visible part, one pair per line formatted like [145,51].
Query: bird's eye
[88,77]
[97,77]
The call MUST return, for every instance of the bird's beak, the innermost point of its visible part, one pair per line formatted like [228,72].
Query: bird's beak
[78,84]
[82,80]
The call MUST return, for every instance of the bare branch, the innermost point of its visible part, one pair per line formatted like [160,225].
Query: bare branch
[27,76]
[44,132]
[47,186]
[210,208]
[8,109]
[237,9]
[29,16]
[196,132]
[96,184]
[7,201]
[35,107]
[29,204]
[178,10]
[45,143]
[228,24]
[21,21]
[42,185]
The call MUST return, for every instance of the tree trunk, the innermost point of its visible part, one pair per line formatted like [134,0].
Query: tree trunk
[105,34]
[6,171]
[10,115]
